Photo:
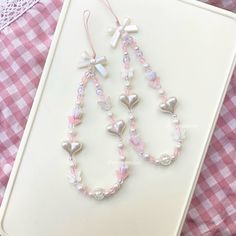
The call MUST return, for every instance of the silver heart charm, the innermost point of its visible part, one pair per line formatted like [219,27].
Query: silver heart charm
[117,128]
[169,105]
[72,147]
[129,100]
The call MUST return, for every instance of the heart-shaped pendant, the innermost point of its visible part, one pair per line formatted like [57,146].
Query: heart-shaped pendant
[72,147]
[116,128]
[129,100]
[169,105]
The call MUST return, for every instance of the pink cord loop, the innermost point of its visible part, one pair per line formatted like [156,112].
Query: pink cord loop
[86,16]
[108,6]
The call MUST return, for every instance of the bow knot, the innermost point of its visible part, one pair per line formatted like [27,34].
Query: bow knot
[98,63]
[118,31]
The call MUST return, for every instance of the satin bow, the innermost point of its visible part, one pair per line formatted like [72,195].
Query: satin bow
[117,32]
[98,63]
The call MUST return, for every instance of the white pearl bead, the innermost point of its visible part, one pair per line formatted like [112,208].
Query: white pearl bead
[146,155]
[80,186]
[161,92]
[132,129]
[110,114]
[122,158]
[80,103]
[131,117]
[127,83]
[178,145]
[116,185]
[176,121]
[120,145]
[157,162]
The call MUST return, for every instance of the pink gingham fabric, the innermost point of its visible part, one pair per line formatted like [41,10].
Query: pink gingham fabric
[213,207]
[23,49]
[24,46]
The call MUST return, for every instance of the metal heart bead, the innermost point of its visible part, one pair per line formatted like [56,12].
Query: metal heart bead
[117,128]
[169,105]
[72,147]
[129,100]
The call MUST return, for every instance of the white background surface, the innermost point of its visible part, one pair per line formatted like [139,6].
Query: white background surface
[192,49]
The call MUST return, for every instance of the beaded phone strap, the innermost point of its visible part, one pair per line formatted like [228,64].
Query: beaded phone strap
[116,127]
[130,99]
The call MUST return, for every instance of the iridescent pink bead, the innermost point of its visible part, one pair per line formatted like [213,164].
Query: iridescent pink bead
[122,173]
[77,112]
[137,142]
[73,120]
[127,65]
[121,152]
[142,60]
[177,152]
[155,84]
[152,159]
[151,75]
[81,90]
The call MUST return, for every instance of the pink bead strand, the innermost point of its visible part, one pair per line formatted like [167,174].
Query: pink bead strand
[154,82]
[76,119]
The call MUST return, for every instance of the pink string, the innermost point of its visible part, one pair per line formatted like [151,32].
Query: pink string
[108,5]
[86,16]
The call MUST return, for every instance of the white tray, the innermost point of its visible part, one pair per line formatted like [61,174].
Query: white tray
[193,49]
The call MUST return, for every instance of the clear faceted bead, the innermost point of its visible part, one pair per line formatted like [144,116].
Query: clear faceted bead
[165,159]
[99,194]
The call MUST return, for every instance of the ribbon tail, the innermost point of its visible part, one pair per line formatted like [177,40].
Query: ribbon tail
[101,60]
[85,55]
[131,28]
[83,64]
[115,38]
[101,69]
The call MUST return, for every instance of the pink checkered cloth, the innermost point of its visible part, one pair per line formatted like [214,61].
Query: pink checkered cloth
[24,46]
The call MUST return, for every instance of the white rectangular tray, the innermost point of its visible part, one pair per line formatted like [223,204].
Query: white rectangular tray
[192,46]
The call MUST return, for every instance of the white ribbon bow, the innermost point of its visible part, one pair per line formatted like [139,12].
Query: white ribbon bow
[98,63]
[117,32]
